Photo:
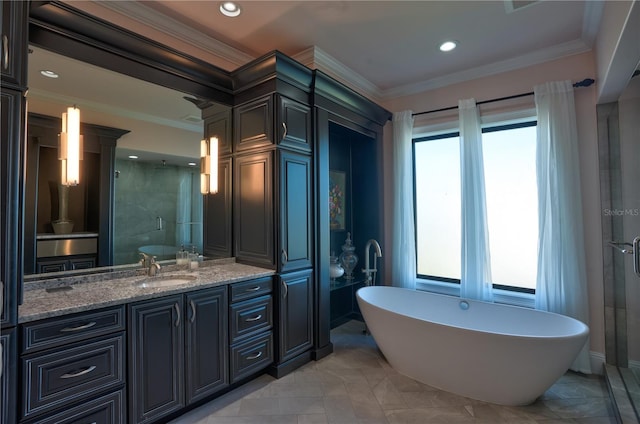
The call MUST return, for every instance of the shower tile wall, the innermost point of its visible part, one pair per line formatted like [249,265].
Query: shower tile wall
[144,192]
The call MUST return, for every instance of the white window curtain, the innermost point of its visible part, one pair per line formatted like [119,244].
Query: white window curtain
[475,278]
[403,253]
[561,283]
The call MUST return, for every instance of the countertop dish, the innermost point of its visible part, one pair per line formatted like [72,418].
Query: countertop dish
[46,300]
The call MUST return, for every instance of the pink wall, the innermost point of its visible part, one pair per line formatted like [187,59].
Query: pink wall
[574,68]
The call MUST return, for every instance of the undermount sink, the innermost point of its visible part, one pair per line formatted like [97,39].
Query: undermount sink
[166,281]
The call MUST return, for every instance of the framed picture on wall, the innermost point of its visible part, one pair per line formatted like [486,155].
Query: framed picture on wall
[337,202]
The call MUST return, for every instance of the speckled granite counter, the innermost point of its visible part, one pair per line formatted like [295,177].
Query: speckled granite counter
[108,289]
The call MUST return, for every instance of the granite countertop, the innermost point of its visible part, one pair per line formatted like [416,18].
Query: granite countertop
[51,298]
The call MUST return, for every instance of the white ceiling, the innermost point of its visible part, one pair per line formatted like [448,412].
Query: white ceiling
[391,45]
[383,49]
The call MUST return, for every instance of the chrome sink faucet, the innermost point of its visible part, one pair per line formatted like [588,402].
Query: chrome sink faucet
[371,272]
[149,264]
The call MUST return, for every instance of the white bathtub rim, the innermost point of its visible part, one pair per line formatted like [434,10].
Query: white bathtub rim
[584,328]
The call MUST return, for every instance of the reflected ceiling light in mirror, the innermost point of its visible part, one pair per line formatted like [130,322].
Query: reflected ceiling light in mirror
[230,9]
[209,166]
[192,164]
[133,157]
[70,147]
[447,46]
[49,73]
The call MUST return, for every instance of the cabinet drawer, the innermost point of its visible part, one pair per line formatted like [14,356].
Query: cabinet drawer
[250,317]
[71,374]
[57,331]
[251,289]
[109,409]
[251,356]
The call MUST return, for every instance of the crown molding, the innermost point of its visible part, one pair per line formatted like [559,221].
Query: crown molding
[167,25]
[316,58]
[540,56]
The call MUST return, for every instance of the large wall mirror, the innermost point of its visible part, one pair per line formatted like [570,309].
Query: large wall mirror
[145,134]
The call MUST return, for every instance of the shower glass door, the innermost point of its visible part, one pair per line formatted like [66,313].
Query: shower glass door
[619,151]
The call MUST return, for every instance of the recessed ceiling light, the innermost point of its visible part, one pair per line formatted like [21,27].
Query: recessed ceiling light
[192,164]
[447,46]
[133,157]
[48,73]
[229,8]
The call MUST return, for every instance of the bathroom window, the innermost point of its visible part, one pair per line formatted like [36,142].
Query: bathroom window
[509,155]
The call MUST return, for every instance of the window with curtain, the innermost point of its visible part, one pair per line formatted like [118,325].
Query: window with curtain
[509,155]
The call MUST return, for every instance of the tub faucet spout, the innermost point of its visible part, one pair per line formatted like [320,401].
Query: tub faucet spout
[371,272]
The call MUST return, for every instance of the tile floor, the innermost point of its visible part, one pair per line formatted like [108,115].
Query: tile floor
[355,385]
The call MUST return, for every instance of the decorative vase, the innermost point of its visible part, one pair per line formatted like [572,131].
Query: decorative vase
[63,225]
[335,269]
[348,257]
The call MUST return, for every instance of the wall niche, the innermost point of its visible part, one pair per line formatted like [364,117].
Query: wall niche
[353,155]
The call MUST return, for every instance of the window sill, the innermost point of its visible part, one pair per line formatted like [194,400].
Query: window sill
[499,296]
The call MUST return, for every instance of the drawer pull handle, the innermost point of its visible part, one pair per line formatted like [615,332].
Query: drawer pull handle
[177,309]
[78,328]
[284,135]
[193,311]
[256,356]
[253,319]
[79,373]
[5,54]
[252,289]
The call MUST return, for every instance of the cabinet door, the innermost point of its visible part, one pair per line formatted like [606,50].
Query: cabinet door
[253,124]
[295,321]
[156,346]
[253,209]
[296,224]
[206,346]
[218,229]
[8,383]
[13,45]
[11,154]
[293,124]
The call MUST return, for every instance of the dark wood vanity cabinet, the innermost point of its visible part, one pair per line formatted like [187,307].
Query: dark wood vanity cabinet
[273,189]
[250,328]
[178,352]
[71,362]
[295,311]
[8,398]
[13,46]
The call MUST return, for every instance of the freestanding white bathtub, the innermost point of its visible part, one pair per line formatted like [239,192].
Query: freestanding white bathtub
[495,353]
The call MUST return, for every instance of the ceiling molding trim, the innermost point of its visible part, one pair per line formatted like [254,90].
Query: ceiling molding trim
[167,25]
[112,110]
[593,11]
[556,52]
[316,58]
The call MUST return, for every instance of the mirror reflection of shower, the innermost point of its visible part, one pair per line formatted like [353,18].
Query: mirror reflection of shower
[157,210]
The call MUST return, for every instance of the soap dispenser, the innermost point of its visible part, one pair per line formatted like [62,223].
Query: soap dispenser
[182,257]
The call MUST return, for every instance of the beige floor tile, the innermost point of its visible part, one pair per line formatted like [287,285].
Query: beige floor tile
[355,385]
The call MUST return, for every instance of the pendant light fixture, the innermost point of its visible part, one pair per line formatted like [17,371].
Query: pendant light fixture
[209,166]
[70,147]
